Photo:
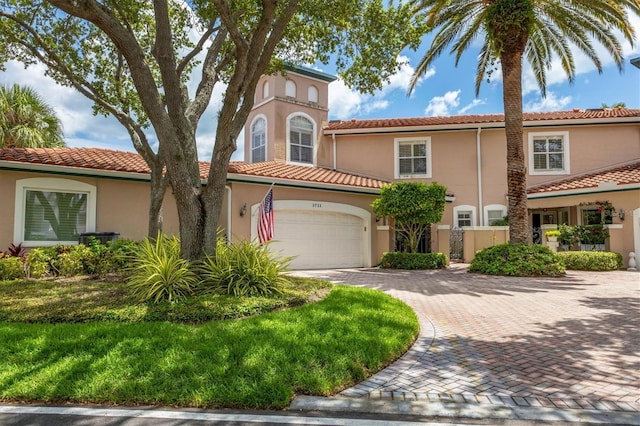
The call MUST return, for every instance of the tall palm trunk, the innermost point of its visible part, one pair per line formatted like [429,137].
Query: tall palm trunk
[511,64]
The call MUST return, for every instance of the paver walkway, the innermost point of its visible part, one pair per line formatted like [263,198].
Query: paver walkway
[571,342]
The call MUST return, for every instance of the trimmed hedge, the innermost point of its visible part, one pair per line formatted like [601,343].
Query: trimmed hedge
[518,260]
[11,267]
[591,260]
[402,260]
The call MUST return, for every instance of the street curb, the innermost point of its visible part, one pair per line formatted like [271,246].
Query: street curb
[456,410]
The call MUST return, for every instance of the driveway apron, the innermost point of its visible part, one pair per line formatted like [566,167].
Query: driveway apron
[570,342]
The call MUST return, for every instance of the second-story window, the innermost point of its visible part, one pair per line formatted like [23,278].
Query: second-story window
[413,158]
[301,140]
[549,153]
[258,140]
[290,89]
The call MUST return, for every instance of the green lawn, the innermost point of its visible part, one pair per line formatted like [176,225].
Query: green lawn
[256,362]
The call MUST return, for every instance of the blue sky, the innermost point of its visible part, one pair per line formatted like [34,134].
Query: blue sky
[444,90]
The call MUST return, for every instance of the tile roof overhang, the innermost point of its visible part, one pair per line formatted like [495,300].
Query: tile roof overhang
[623,177]
[461,122]
[131,166]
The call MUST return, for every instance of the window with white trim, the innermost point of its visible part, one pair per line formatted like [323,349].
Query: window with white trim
[265,90]
[290,88]
[301,138]
[313,94]
[549,153]
[52,211]
[595,216]
[413,157]
[494,213]
[464,216]
[259,140]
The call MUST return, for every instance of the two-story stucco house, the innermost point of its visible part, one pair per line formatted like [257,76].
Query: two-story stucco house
[327,173]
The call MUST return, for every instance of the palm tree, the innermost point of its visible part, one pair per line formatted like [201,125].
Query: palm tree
[537,30]
[27,121]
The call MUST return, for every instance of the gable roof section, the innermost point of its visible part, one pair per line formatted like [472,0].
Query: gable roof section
[588,116]
[600,181]
[113,163]
[280,170]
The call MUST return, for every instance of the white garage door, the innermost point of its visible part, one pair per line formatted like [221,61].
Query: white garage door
[319,239]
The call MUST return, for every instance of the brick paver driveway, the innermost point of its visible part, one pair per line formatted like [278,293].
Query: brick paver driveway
[571,342]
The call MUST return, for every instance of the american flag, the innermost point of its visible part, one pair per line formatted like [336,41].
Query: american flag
[266,220]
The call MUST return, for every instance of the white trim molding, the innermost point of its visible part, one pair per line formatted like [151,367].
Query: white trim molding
[314,137]
[493,207]
[566,168]
[51,185]
[464,208]
[396,157]
[266,136]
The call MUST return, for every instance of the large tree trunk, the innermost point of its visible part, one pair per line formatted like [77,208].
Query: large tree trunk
[516,172]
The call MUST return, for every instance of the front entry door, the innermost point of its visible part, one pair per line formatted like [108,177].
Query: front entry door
[536,228]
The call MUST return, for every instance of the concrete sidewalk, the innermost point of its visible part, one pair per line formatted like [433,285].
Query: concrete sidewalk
[509,345]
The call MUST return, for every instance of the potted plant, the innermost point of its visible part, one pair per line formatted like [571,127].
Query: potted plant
[567,238]
[552,235]
[591,237]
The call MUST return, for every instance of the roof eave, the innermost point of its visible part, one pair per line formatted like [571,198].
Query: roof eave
[583,191]
[265,180]
[474,126]
[70,170]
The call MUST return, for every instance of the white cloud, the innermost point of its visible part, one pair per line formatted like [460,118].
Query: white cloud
[345,103]
[440,105]
[550,103]
[471,105]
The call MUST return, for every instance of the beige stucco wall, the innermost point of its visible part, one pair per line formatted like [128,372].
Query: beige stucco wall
[252,194]
[277,107]
[454,159]
[121,205]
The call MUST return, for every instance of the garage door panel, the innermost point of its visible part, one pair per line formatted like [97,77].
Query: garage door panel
[319,239]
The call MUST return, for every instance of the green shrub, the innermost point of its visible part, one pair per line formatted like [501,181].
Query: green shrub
[11,267]
[39,262]
[243,269]
[591,260]
[158,273]
[567,235]
[552,233]
[72,260]
[591,234]
[123,254]
[400,260]
[517,260]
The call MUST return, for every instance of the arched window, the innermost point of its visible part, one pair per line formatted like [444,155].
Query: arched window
[464,215]
[259,140]
[313,94]
[290,89]
[265,90]
[301,140]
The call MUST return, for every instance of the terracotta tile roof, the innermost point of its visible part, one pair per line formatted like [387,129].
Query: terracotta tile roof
[280,170]
[587,114]
[121,161]
[89,158]
[84,158]
[625,174]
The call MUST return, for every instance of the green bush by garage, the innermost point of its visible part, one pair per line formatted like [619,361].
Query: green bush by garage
[591,260]
[402,260]
[518,260]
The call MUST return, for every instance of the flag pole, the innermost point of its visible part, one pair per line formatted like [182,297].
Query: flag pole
[265,195]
